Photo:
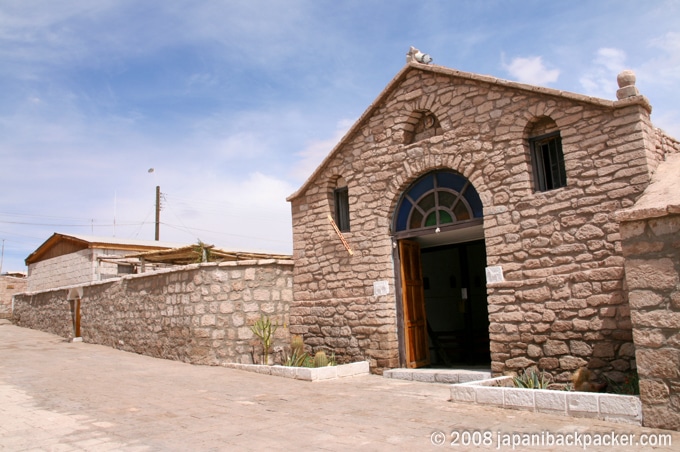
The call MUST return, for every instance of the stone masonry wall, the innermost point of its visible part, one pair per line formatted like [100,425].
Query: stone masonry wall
[652,250]
[199,314]
[664,145]
[9,285]
[562,305]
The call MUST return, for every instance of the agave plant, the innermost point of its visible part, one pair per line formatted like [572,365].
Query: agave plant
[532,379]
[298,358]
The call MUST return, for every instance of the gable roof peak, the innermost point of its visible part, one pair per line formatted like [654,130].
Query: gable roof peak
[418,61]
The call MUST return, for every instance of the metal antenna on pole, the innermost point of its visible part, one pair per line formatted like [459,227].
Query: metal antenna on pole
[158,212]
[158,207]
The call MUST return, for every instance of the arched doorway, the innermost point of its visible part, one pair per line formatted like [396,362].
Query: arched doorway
[441,261]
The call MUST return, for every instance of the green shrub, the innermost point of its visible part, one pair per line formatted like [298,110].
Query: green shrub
[629,386]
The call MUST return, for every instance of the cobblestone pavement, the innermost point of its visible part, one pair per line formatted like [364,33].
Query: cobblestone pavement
[61,396]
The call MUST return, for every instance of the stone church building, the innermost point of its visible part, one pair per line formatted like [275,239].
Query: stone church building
[467,220]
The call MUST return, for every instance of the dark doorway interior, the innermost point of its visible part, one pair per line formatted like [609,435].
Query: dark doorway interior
[454,283]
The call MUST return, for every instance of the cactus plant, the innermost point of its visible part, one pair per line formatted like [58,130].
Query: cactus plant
[297,345]
[264,329]
[320,359]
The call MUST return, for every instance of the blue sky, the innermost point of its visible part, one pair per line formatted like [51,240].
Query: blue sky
[234,103]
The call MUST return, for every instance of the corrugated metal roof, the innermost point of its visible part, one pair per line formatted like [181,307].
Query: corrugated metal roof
[89,241]
[194,254]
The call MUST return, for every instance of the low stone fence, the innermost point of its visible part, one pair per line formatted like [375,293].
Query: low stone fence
[501,392]
[199,314]
[308,373]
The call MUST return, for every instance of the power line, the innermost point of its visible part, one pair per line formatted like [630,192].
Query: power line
[192,230]
[70,225]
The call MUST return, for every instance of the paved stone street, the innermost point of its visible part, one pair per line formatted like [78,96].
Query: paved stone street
[60,396]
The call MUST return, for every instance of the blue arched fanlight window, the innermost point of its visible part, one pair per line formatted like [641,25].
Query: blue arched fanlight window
[438,199]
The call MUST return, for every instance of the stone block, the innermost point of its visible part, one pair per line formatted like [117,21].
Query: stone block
[352,369]
[399,374]
[665,226]
[603,350]
[582,404]
[572,362]
[580,348]
[549,401]
[648,338]
[266,370]
[534,351]
[548,363]
[656,274]
[518,398]
[303,373]
[463,393]
[661,417]
[283,371]
[324,373]
[653,392]
[656,319]
[445,377]
[464,376]
[620,405]
[208,320]
[244,333]
[425,377]
[553,348]
[519,363]
[489,395]
[627,350]
[661,363]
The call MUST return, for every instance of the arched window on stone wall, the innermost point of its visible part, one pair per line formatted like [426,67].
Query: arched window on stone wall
[422,124]
[547,158]
[438,199]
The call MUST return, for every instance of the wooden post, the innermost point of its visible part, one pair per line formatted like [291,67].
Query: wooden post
[342,237]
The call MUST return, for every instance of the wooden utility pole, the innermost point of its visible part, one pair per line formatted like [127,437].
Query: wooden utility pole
[158,212]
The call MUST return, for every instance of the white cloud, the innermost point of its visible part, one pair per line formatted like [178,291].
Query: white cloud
[611,59]
[600,79]
[315,151]
[531,70]
[664,68]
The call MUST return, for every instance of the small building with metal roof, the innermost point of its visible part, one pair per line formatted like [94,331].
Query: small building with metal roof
[70,259]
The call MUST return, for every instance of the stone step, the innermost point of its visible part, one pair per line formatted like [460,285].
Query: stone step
[451,376]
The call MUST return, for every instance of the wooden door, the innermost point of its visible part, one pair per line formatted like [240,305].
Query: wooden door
[413,299]
[76,319]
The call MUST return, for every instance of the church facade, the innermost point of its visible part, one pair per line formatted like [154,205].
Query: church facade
[467,220]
